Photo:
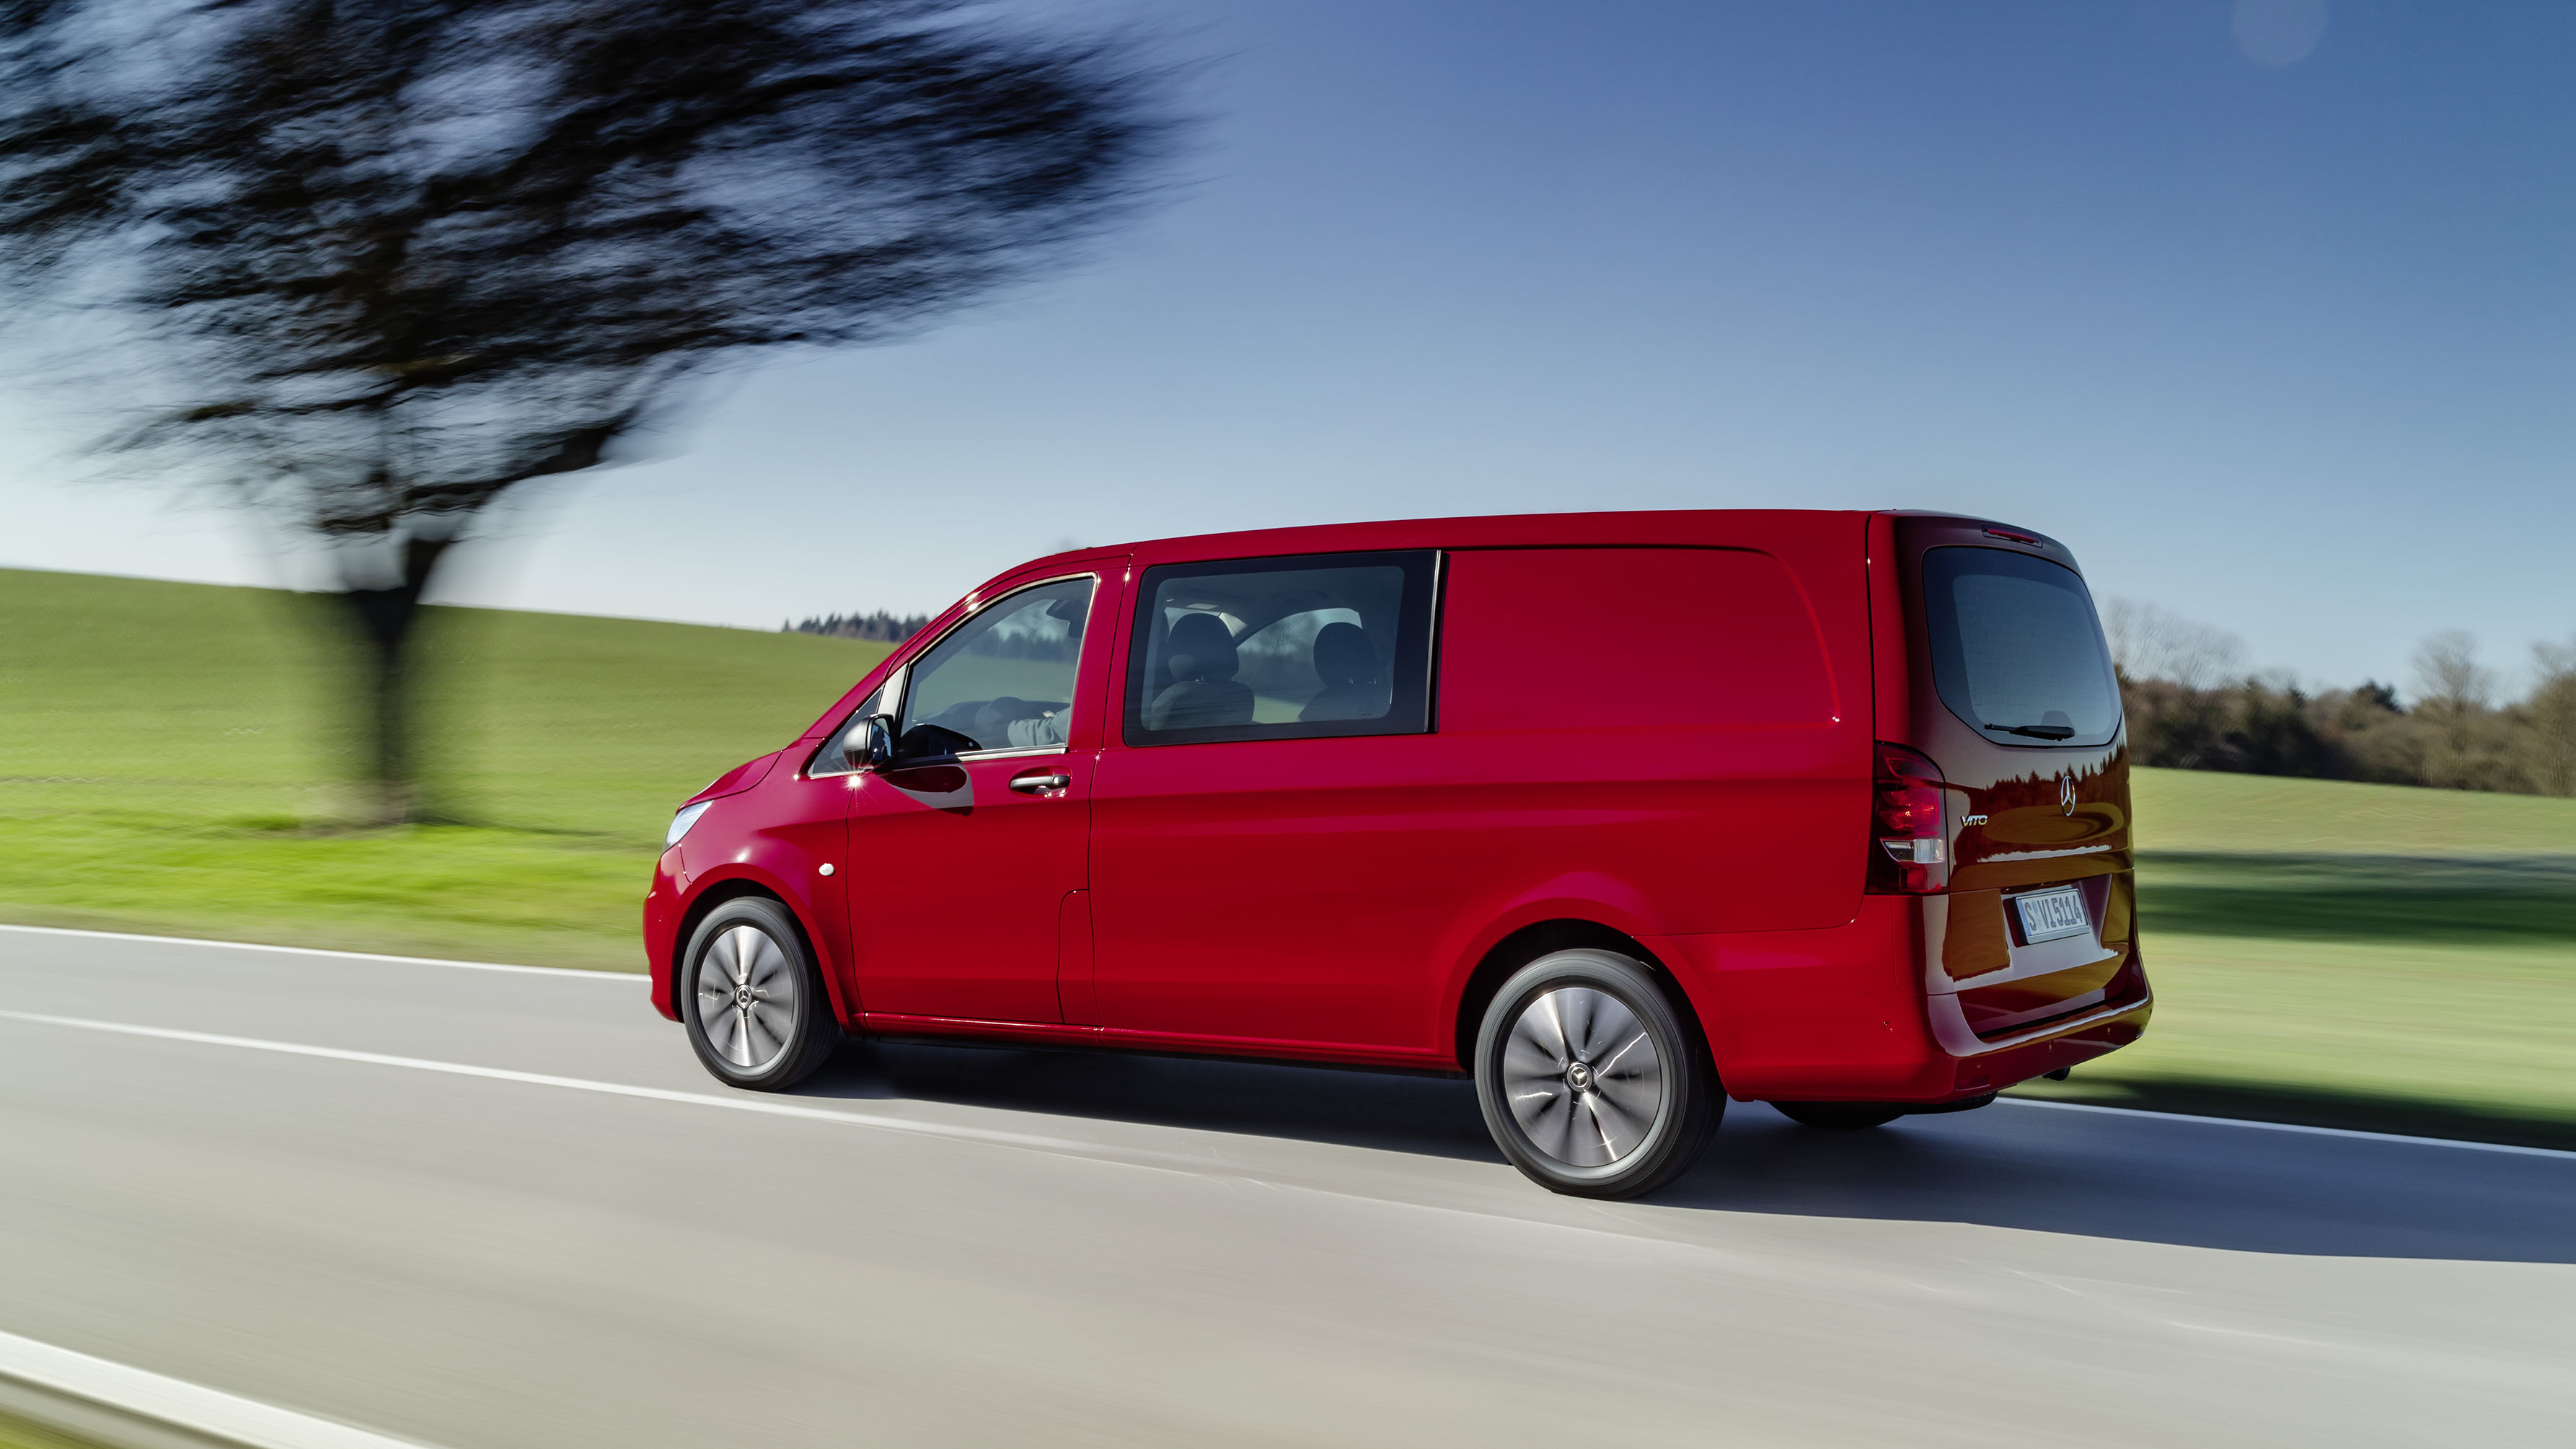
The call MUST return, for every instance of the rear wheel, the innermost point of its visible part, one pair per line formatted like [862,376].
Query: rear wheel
[1839,1116]
[756,1011]
[1590,1081]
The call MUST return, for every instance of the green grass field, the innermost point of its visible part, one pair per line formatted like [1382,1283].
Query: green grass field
[2365,956]
[172,760]
[20,1434]
[2358,955]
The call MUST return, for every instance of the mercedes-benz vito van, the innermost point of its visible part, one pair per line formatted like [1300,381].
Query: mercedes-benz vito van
[1620,814]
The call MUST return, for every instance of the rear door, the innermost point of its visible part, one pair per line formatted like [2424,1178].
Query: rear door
[2012,693]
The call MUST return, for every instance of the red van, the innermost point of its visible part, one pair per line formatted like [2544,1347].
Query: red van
[1621,814]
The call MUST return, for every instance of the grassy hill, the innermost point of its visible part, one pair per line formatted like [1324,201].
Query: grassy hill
[2193,811]
[2362,955]
[172,759]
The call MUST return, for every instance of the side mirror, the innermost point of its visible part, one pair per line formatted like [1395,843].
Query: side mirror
[869,745]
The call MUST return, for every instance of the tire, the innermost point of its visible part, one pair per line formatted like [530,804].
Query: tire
[1590,1081]
[1839,1116]
[754,1004]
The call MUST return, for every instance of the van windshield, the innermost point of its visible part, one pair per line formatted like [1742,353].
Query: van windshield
[2016,650]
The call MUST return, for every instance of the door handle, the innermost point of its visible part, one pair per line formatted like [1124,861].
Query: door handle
[1040,784]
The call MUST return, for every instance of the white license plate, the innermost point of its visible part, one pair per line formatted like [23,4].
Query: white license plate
[2047,915]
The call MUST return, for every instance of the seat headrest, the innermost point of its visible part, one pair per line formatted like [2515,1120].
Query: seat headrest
[1201,647]
[1344,656]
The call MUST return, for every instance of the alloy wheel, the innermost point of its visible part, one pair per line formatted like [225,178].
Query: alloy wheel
[1581,1076]
[747,998]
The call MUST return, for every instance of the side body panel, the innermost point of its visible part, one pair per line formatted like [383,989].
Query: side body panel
[1652,739]
[1668,718]
[1283,891]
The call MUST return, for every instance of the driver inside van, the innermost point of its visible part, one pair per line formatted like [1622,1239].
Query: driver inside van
[1350,675]
[1017,724]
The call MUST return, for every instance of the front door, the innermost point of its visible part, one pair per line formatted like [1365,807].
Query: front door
[963,850]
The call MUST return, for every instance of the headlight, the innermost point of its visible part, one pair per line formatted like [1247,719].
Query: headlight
[681,822]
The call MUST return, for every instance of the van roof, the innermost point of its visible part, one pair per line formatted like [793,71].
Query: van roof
[1703,527]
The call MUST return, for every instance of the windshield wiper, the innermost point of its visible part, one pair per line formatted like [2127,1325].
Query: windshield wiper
[2037,732]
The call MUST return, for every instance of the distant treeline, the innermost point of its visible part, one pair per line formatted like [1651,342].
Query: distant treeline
[2192,706]
[882,626]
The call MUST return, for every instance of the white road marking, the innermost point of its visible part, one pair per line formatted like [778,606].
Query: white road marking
[630,978]
[768,1106]
[633,977]
[1201,1167]
[2353,1133]
[210,1414]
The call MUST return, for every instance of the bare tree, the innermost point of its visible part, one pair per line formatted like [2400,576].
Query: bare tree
[2151,642]
[2448,675]
[2454,695]
[2551,711]
[385,260]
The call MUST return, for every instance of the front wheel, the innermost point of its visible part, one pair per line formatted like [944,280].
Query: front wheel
[754,1003]
[1590,1082]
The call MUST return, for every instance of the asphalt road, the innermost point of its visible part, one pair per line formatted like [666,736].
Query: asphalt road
[492,1208]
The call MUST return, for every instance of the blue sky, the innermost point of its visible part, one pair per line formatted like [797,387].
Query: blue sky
[2285,344]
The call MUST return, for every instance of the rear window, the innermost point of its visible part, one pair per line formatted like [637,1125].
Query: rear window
[2016,650]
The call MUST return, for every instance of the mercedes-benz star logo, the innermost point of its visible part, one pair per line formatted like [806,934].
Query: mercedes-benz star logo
[2066,794]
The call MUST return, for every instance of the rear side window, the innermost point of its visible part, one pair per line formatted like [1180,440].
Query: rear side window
[2016,649]
[1282,648]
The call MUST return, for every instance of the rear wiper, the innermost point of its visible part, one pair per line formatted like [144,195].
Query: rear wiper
[2037,732]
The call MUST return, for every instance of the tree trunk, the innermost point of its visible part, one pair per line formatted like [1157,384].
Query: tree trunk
[385,619]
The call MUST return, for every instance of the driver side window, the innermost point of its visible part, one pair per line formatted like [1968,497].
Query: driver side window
[1001,680]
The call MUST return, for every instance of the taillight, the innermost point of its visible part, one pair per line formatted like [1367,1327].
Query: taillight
[1909,846]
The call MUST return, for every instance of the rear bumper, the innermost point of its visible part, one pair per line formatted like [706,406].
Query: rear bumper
[2000,1064]
[1847,1013]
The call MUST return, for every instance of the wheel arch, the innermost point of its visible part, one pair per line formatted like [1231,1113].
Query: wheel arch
[1541,938]
[734,888]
